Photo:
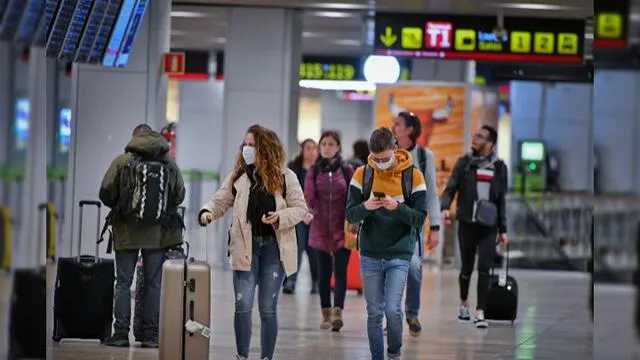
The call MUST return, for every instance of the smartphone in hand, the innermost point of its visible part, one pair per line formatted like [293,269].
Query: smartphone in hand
[379,195]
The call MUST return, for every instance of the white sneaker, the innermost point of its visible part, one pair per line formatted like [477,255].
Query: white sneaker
[480,321]
[463,314]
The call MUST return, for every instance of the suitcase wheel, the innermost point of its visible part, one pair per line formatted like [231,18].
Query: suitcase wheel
[56,339]
[360,292]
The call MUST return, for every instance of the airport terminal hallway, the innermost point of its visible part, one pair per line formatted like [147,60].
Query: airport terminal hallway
[553,323]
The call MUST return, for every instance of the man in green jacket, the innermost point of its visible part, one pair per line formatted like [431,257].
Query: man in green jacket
[143,188]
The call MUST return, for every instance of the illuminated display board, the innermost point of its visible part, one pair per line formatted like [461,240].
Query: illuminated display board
[118,33]
[611,24]
[90,32]
[44,28]
[104,32]
[472,38]
[134,26]
[11,19]
[59,28]
[3,7]
[339,68]
[30,20]
[75,30]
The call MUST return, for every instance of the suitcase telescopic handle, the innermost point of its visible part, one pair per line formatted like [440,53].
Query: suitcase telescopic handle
[90,202]
[42,224]
[82,204]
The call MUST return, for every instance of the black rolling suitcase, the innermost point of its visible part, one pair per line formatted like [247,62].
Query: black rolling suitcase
[28,309]
[502,298]
[83,301]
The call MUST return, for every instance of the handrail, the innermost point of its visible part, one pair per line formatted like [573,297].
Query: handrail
[531,216]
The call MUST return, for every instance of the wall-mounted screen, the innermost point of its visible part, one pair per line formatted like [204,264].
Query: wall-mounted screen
[75,30]
[64,130]
[11,19]
[30,20]
[134,26]
[91,30]
[61,23]
[44,28]
[21,124]
[532,151]
[104,32]
[118,34]
[3,7]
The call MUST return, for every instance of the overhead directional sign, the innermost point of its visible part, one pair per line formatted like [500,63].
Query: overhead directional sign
[473,37]
[611,24]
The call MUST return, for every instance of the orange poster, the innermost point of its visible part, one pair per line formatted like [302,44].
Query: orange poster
[441,110]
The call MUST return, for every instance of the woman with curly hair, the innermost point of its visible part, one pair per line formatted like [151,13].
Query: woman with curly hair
[267,202]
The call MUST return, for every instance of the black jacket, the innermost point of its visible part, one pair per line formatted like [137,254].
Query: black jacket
[301,172]
[463,182]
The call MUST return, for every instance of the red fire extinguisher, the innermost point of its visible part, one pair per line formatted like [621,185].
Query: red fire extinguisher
[169,133]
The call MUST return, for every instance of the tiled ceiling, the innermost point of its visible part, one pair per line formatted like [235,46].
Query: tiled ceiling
[340,27]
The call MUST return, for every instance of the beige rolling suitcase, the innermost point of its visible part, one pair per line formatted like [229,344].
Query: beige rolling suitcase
[185,309]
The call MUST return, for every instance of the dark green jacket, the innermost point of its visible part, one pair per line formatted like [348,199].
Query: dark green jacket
[127,234]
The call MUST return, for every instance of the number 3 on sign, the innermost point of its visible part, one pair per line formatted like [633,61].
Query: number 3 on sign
[567,44]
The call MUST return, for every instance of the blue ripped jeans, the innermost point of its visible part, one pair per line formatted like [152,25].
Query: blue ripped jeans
[266,273]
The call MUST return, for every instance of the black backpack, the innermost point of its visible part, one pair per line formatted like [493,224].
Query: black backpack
[147,187]
[407,182]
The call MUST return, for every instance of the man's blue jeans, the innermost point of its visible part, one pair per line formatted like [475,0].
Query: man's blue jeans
[414,280]
[126,260]
[267,273]
[384,282]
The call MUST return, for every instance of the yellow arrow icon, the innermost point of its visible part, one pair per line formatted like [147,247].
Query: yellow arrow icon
[388,38]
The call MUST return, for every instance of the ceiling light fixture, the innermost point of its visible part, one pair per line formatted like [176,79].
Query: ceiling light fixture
[188,14]
[525,6]
[333,14]
[338,85]
[339,6]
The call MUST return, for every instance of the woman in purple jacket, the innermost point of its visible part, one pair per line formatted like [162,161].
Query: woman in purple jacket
[325,190]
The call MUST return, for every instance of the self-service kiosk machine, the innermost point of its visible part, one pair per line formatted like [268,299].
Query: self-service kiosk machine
[531,172]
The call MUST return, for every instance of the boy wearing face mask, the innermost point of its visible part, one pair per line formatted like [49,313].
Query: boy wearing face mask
[391,207]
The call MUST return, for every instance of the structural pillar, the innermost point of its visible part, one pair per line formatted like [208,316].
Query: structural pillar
[262,58]
[107,103]
[29,249]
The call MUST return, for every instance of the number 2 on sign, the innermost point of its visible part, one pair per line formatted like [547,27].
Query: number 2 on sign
[543,43]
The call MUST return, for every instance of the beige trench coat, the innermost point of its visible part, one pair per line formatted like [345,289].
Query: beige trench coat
[291,210]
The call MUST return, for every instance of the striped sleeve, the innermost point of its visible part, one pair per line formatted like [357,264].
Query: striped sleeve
[418,199]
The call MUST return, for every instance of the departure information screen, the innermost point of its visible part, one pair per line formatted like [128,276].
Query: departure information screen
[134,26]
[11,19]
[91,30]
[473,38]
[118,34]
[60,26]
[30,21]
[75,30]
[104,32]
[51,6]
[3,7]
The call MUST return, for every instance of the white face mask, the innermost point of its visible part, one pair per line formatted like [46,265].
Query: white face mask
[249,154]
[385,165]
